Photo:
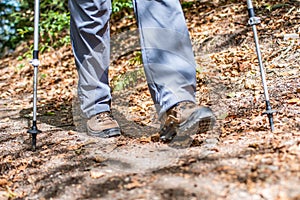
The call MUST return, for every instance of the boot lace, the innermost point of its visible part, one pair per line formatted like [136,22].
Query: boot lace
[104,116]
[174,114]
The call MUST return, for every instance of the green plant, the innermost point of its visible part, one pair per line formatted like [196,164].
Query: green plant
[20,66]
[128,80]
[7,7]
[137,59]
[118,5]
[54,22]
[53,26]
[271,7]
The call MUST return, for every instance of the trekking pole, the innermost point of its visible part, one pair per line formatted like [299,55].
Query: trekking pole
[35,63]
[253,21]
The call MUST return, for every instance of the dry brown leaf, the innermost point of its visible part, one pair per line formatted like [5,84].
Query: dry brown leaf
[145,139]
[71,132]
[155,137]
[96,174]
[3,182]
[133,184]
[294,101]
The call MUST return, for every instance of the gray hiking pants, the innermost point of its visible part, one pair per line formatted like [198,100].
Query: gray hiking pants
[167,53]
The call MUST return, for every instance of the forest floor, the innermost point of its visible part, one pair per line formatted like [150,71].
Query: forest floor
[239,159]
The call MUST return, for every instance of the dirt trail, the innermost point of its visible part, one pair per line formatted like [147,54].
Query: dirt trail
[250,165]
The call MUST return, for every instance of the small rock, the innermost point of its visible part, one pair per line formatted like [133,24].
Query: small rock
[99,159]
[211,141]
[273,168]
[71,132]
[291,36]
[250,84]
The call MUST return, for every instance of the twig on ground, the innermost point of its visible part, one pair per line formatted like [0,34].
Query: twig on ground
[290,11]
[284,53]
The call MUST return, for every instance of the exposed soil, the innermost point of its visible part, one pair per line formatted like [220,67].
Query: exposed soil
[239,159]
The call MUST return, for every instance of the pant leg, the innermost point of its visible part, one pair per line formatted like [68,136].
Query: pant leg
[167,52]
[91,47]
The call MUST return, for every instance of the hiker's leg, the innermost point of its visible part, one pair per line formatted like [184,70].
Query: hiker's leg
[167,52]
[91,47]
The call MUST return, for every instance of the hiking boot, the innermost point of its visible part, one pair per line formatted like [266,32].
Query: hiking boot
[103,125]
[183,117]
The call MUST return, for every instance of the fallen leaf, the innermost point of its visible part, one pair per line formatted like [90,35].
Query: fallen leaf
[231,95]
[71,132]
[134,184]
[155,137]
[3,182]
[254,145]
[294,101]
[145,140]
[96,174]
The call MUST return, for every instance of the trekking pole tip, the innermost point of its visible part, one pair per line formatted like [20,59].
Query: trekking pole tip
[33,142]
[33,131]
[269,113]
[271,123]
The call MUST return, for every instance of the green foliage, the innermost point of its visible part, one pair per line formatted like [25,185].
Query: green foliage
[53,29]
[7,7]
[187,4]
[137,59]
[271,7]
[132,78]
[118,5]
[53,26]
[128,80]
[53,23]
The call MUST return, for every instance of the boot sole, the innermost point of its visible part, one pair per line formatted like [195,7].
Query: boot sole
[204,116]
[114,132]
